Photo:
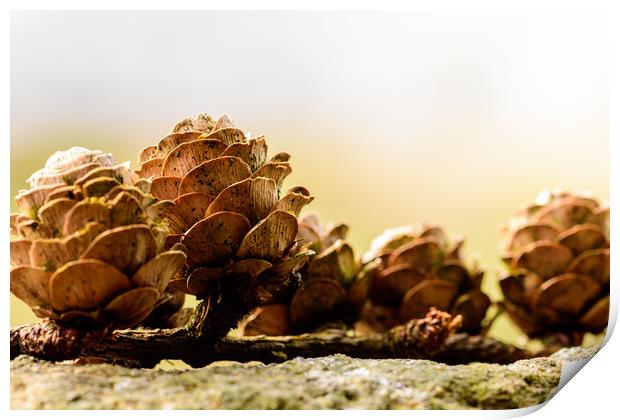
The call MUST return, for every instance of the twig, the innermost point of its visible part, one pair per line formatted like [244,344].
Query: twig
[145,348]
[463,349]
[428,338]
[53,341]
[416,339]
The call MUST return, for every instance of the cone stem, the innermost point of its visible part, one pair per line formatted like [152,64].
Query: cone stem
[216,315]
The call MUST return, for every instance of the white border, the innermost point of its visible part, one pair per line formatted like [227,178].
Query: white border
[592,394]
[419,5]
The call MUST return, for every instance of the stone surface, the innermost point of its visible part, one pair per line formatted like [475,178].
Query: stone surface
[331,382]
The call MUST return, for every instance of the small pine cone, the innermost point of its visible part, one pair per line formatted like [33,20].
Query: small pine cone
[322,295]
[88,243]
[407,271]
[226,211]
[557,253]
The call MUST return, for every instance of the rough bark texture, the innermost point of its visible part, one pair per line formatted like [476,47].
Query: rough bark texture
[426,339]
[328,382]
[145,348]
[463,348]
[52,341]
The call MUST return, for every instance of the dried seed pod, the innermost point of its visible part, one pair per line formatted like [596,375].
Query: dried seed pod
[557,254]
[410,269]
[323,293]
[87,252]
[228,212]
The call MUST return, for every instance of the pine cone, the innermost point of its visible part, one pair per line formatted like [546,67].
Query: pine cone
[89,240]
[557,253]
[227,211]
[409,270]
[322,296]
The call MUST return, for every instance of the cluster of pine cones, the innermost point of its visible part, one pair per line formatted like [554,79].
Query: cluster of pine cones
[97,244]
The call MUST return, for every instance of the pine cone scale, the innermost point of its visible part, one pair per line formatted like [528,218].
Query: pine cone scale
[326,266]
[414,269]
[558,266]
[80,242]
[215,239]
[227,212]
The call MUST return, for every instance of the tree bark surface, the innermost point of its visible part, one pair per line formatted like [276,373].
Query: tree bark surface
[430,338]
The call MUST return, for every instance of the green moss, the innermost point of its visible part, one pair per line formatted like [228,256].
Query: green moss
[329,382]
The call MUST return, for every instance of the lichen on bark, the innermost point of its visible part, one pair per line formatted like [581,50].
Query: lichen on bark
[332,382]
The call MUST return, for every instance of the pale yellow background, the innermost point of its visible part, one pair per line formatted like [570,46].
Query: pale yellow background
[391,118]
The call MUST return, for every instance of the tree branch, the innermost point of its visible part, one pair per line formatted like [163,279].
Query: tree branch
[429,338]
[147,348]
[463,349]
[50,340]
[416,339]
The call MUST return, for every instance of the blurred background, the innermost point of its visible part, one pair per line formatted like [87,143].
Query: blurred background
[392,118]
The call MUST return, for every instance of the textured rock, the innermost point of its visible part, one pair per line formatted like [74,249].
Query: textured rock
[329,382]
